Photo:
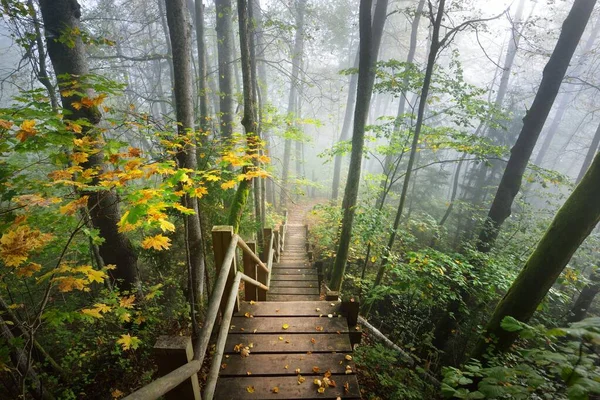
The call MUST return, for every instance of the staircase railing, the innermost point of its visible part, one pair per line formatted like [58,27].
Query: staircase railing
[228,281]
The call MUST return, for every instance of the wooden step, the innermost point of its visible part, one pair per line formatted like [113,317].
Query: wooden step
[261,325]
[292,265]
[261,388]
[294,290]
[293,297]
[290,277]
[275,364]
[294,271]
[289,342]
[277,284]
[298,309]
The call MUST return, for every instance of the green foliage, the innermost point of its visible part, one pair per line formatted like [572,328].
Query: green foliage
[559,363]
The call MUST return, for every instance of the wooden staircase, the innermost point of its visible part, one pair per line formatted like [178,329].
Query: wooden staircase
[294,338]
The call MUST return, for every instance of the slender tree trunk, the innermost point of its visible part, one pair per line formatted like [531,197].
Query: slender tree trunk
[585,298]
[180,35]
[249,120]
[590,155]
[566,100]
[337,163]
[165,28]
[533,122]
[300,6]
[202,82]
[42,69]
[371,32]
[433,51]
[388,163]
[224,11]
[572,224]
[69,64]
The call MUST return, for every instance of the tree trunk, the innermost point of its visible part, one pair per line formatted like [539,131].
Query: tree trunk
[224,10]
[572,224]
[202,82]
[433,51]
[388,163]
[590,154]
[180,35]
[534,120]
[370,40]
[249,120]
[69,64]
[337,163]
[566,100]
[585,298]
[296,57]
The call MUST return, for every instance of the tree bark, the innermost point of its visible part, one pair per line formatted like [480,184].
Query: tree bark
[337,163]
[249,120]
[224,11]
[180,37]
[202,82]
[371,32]
[534,120]
[585,298]
[594,146]
[572,224]
[71,62]
[300,6]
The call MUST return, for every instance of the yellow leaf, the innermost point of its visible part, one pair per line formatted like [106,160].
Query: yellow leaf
[92,312]
[102,307]
[228,185]
[285,326]
[166,225]
[28,270]
[27,130]
[250,389]
[70,208]
[129,342]
[275,390]
[158,242]
[79,157]
[125,317]
[127,302]
[18,242]
[116,394]
[5,124]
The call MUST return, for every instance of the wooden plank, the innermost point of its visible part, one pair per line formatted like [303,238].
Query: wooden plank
[262,325]
[293,297]
[294,290]
[298,309]
[275,364]
[289,342]
[292,266]
[277,284]
[288,388]
[295,271]
[290,277]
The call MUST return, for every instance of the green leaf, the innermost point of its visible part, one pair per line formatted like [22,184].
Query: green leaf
[510,324]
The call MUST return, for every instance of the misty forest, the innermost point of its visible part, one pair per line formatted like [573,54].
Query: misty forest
[299,199]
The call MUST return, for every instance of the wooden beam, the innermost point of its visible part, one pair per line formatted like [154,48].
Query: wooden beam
[221,238]
[250,270]
[170,353]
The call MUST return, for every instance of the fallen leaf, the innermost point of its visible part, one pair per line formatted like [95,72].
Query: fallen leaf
[301,379]
[319,329]
[313,341]
[298,371]
[321,390]
[348,357]
[316,370]
[250,389]
[275,390]
[285,326]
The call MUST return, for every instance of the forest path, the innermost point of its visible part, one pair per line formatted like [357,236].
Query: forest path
[294,337]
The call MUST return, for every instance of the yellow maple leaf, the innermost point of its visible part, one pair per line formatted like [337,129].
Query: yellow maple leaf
[250,389]
[71,126]
[166,225]
[125,317]
[228,185]
[79,157]
[101,307]
[4,124]
[183,209]
[18,242]
[200,191]
[127,302]
[158,242]
[92,312]
[70,208]
[28,270]
[26,130]
[129,342]
[116,394]
[70,283]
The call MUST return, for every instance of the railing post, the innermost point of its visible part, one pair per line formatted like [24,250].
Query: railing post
[221,238]
[250,270]
[262,276]
[276,245]
[307,245]
[170,353]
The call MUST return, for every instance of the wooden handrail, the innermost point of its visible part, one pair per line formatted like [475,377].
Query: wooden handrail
[163,385]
